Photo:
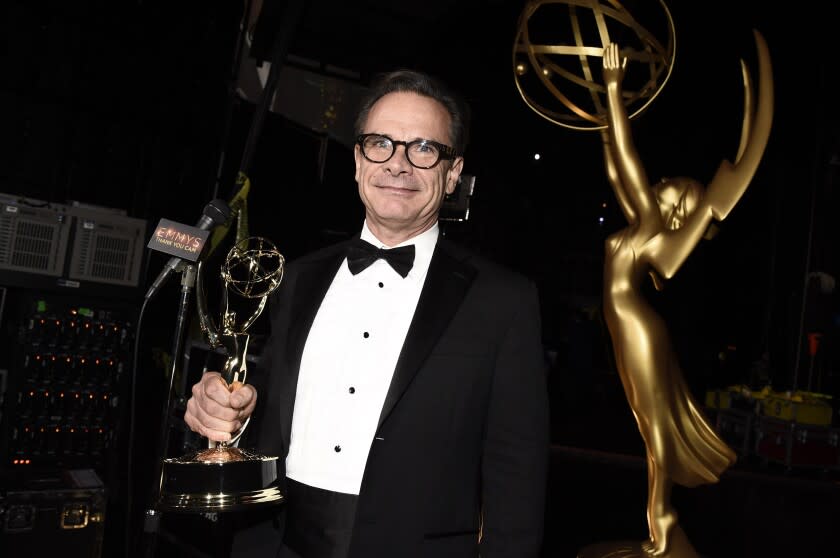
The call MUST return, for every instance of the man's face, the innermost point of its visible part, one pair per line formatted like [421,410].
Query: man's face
[401,200]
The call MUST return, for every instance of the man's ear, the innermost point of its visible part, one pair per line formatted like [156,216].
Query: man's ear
[357,156]
[453,174]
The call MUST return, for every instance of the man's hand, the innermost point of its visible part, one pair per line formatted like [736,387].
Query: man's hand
[215,409]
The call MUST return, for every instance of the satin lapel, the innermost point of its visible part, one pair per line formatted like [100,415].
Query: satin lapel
[312,282]
[446,284]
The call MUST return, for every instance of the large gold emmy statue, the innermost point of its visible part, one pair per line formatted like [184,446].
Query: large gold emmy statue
[665,223]
[224,477]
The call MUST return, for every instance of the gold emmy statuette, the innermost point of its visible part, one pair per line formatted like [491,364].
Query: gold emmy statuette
[223,477]
[557,76]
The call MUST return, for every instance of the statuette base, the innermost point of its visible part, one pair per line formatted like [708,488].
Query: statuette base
[217,480]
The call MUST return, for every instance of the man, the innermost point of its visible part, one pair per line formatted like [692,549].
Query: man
[410,412]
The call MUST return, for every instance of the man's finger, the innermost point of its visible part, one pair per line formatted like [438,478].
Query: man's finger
[242,395]
[212,426]
[216,389]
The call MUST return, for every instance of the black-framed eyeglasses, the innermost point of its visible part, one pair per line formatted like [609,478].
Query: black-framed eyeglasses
[421,153]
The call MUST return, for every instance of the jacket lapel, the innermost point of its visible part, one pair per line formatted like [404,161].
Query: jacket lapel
[446,284]
[311,285]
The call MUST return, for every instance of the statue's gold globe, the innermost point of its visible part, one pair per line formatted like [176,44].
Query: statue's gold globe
[557,56]
[253,267]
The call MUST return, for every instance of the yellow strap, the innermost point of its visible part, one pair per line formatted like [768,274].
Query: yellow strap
[239,208]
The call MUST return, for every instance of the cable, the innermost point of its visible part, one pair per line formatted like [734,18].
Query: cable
[130,452]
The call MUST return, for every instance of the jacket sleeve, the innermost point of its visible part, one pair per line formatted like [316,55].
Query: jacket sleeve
[516,445]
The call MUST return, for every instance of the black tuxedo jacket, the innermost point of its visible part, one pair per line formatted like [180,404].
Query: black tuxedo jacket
[459,462]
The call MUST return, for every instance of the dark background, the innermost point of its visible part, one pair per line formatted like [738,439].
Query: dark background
[128,105]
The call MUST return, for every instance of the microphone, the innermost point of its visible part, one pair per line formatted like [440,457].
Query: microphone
[215,213]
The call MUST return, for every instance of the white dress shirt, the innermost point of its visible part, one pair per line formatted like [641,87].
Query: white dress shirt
[347,365]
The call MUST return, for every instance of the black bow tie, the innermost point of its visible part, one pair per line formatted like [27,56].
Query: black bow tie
[361,254]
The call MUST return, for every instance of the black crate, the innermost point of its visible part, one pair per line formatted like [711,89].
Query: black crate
[61,515]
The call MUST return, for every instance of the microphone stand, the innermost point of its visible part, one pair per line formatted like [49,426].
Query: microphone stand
[152,517]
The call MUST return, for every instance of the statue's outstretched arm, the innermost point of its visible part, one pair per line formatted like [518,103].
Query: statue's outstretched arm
[615,180]
[637,194]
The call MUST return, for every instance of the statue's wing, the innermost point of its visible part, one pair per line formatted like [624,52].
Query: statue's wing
[755,131]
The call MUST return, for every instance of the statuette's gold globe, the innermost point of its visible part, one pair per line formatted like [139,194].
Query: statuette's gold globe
[253,267]
[557,56]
